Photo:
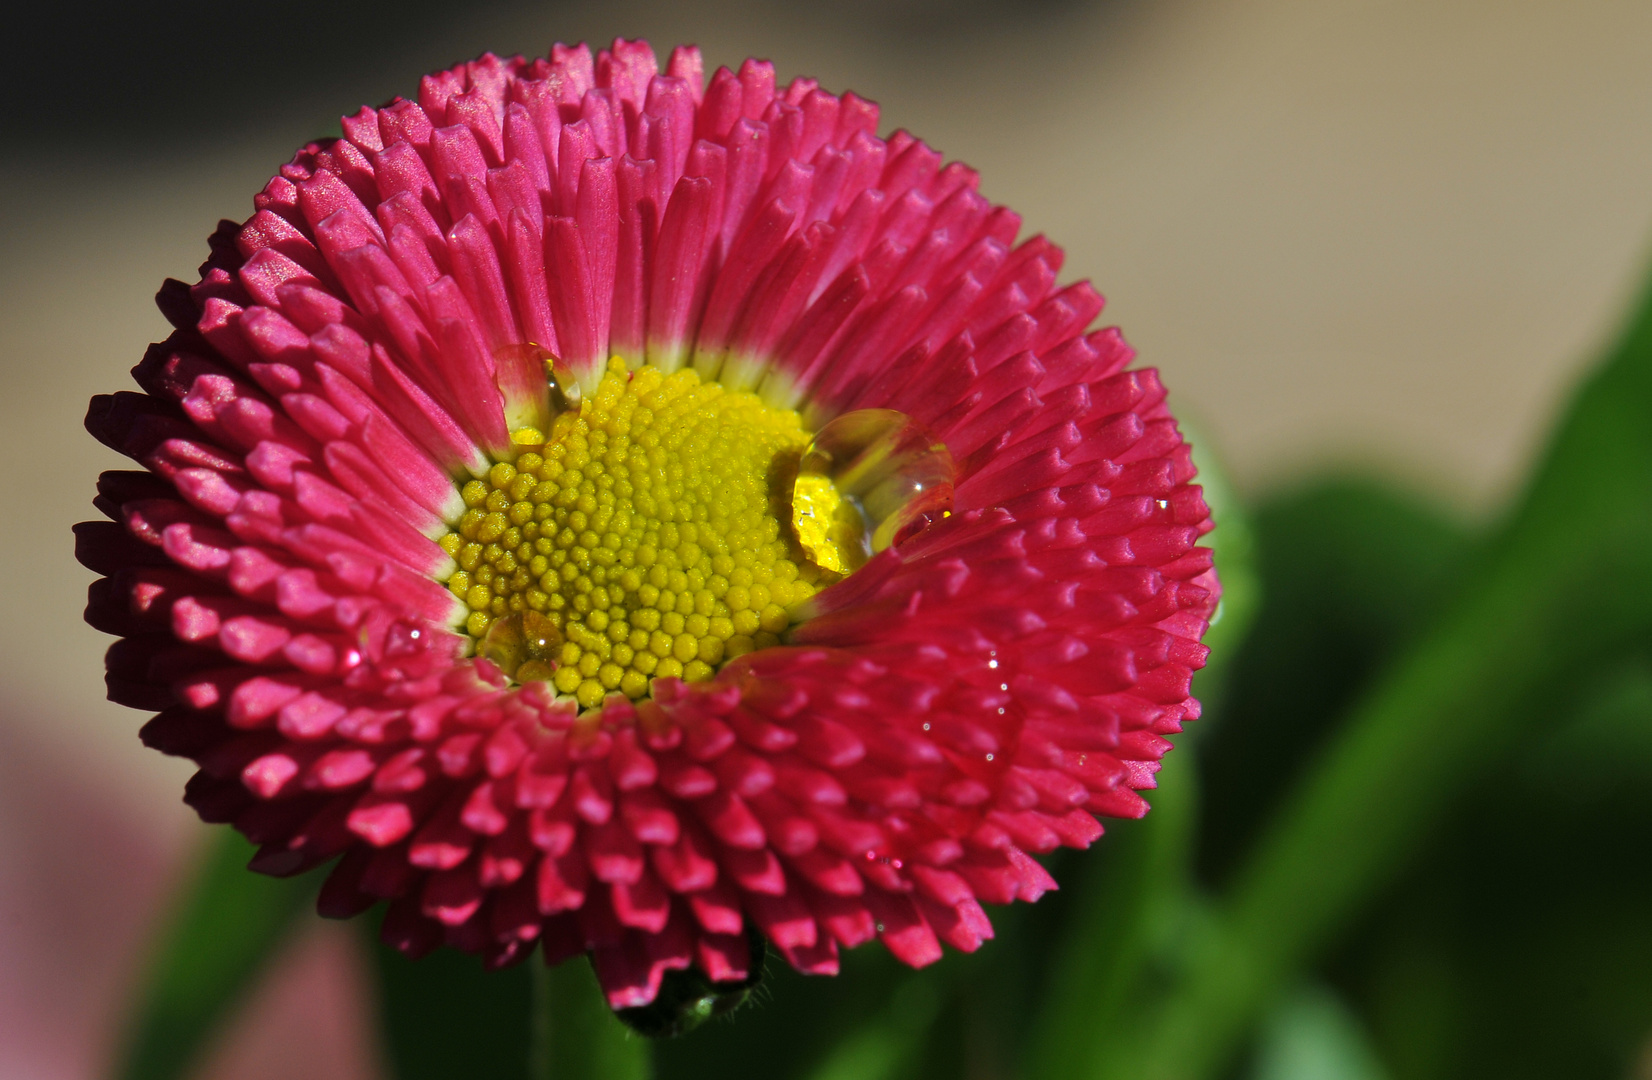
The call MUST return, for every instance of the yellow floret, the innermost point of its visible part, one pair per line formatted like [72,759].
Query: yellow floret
[643,527]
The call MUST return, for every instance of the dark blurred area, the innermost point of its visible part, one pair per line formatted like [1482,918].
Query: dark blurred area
[148,80]
[128,75]
[142,78]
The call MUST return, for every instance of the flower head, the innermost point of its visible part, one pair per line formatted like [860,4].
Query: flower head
[613,512]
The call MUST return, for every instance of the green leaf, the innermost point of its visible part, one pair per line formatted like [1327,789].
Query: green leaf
[884,1048]
[1518,945]
[1350,570]
[226,925]
[1312,1035]
[444,1016]
[1564,587]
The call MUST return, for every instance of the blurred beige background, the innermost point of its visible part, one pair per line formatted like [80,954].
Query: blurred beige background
[1387,233]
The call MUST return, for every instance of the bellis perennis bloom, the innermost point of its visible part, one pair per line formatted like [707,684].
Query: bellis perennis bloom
[614,511]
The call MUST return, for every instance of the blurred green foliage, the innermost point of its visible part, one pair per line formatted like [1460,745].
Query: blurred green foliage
[1520,942]
[443,1016]
[1404,843]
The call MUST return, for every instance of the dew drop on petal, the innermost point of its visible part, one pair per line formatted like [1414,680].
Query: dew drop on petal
[523,645]
[542,636]
[403,639]
[503,644]
[525,375]
[867,480]
[527,438]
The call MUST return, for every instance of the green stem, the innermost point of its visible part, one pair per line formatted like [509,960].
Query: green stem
[539,1022]
[575,1036]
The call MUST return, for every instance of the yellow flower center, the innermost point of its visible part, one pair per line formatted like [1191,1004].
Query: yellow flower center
[644,538]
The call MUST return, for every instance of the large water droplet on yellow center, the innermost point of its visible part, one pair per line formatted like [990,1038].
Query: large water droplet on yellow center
[867,480]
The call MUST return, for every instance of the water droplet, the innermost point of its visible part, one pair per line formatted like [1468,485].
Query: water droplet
[879,926]
[926,727]
[525,375]
[527,438]
[867,480]
[1000,713]
[403,639]
[993,664]
[989,756]
[1003,686]
[1164,504]
[524,645]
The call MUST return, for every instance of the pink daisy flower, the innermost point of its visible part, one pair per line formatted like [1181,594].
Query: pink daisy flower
[610,511]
